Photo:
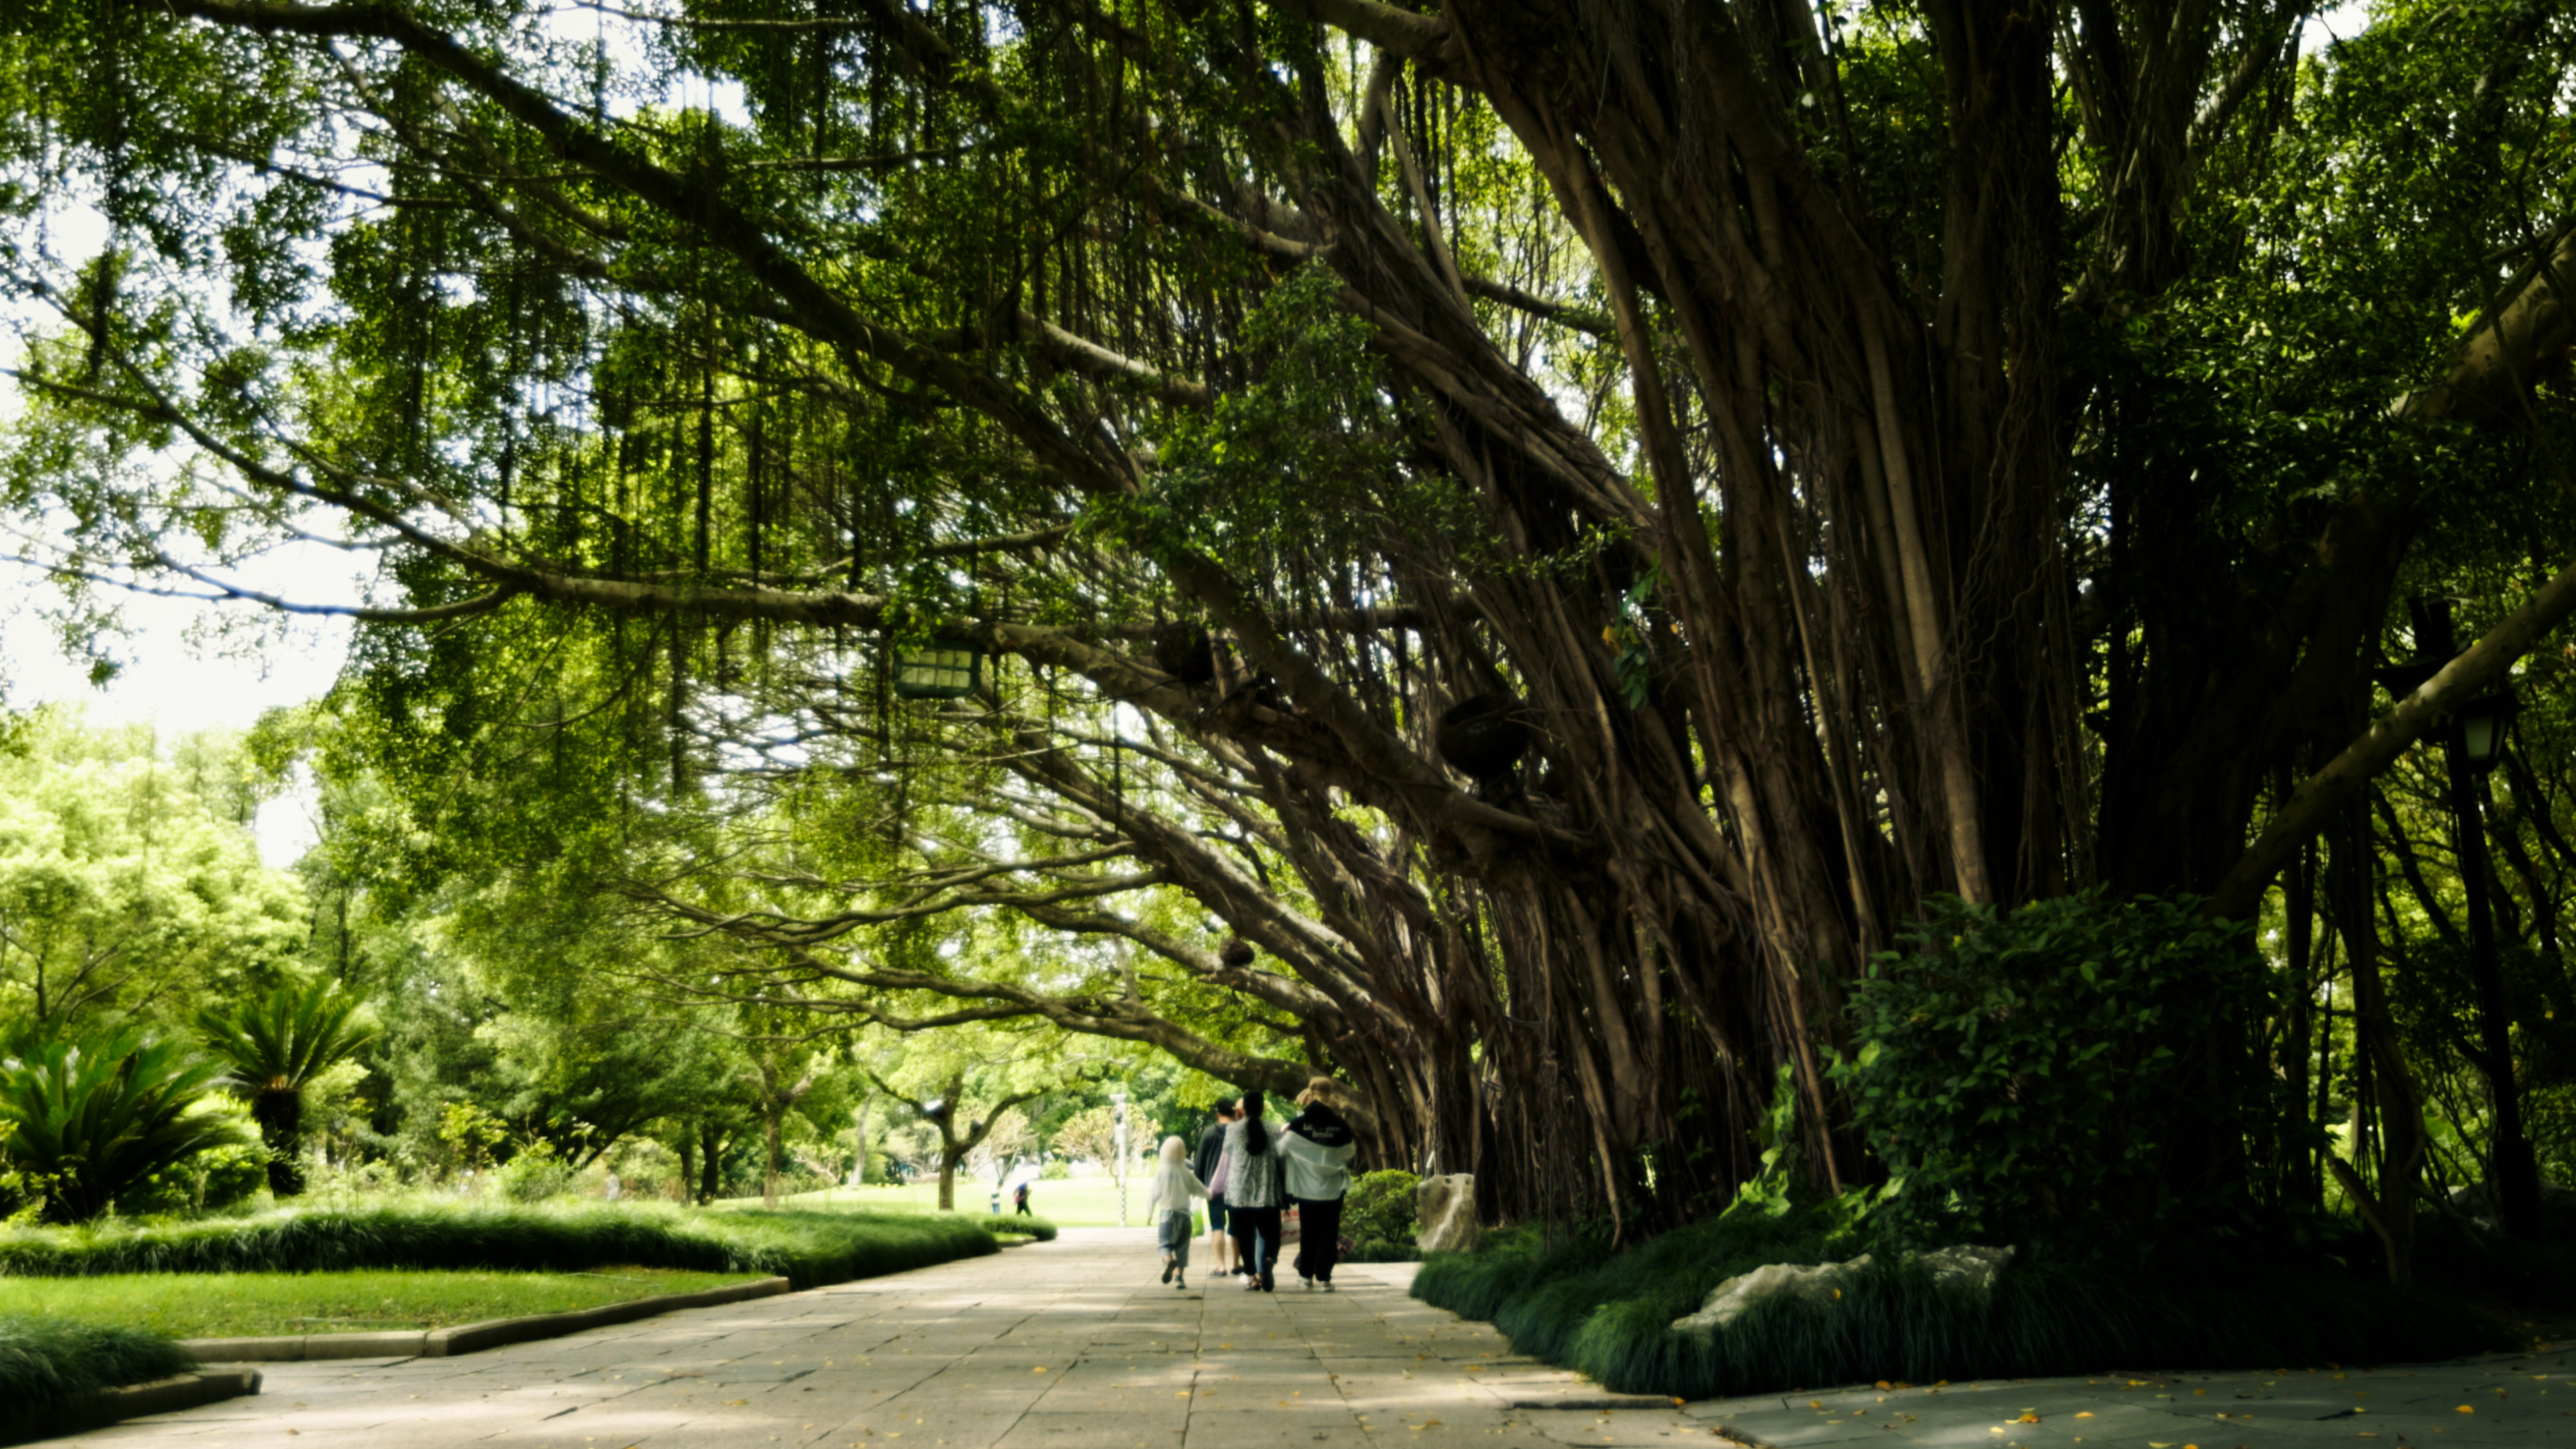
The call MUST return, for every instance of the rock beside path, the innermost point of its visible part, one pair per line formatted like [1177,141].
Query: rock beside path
[1962,1269]
[1445,1210]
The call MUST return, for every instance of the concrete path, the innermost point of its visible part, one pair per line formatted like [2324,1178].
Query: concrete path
[1075,1345]
[1066,1345]
[2518,1400]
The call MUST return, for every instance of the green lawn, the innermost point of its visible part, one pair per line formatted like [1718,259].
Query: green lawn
[1088,1202]
[232,1305]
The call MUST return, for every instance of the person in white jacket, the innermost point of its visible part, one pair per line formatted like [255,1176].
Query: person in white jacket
[1317,1146]
[1174,1186]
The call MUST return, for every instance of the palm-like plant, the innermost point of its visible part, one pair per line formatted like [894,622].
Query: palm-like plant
[88,1119]
[276,1044]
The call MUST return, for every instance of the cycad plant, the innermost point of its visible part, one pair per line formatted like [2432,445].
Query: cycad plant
[85,1119]
[277,1043]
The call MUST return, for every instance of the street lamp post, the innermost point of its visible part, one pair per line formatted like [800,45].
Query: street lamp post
[2473,742]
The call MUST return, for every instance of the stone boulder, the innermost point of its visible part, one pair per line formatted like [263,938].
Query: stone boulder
[1965,1269]
[1444,1211]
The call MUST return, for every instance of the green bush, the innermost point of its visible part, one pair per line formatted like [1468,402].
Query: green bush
[83,1122]
[214,1180]
[809,1248]
[1573,1302]
[1380,1209]
[534,1174]
[44,1361]
[2081,1071]
[227,1177]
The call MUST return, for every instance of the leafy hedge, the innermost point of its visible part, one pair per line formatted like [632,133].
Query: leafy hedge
[2084,1071]
[1575,1303]
[1380,1205]
[44,1361]
[807,1248]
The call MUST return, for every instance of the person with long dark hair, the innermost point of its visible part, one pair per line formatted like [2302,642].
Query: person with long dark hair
[1255,1190]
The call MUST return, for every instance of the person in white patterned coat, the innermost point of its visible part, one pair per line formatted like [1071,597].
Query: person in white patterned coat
[1256,1188]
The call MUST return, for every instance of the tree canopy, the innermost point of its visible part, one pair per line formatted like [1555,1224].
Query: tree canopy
[1504,550]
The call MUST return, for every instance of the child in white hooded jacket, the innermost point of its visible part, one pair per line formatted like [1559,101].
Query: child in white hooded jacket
[1169,1207]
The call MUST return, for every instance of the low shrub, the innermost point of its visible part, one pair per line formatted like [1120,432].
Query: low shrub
[1380,1208]
[82,1122]
[808,1248]
[534,1173]
[215,1180]
[212,1181]
[1573,1302]
[45,1361]
[2083,1071]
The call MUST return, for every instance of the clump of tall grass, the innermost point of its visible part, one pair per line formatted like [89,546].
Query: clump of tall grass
[807,1248]
[46,1361]
[1573,1302]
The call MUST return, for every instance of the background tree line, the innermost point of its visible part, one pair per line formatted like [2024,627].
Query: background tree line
[372,1029]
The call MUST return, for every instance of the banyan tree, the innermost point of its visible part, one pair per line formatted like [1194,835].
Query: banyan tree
[1515,542]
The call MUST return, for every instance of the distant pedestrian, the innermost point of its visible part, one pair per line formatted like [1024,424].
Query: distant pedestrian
[1020,1198]
[1209,1164]
[1174,1186]
[1255,1191]
[1318,1145]
[613,1189]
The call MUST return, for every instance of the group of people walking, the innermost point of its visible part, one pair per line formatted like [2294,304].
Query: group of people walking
[1251,1173]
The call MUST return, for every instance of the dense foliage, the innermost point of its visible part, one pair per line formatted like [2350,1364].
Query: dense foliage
[2083,1072]
[1379,1209]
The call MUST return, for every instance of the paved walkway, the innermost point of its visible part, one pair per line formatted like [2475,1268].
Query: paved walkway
[2527,1399]
[1074,1345]
[1064,1345]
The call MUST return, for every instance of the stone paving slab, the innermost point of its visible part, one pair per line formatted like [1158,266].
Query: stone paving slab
[2520,1399]
[1074,1344]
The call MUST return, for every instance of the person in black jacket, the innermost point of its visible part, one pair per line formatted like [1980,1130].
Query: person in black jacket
[1317,1145]
[1211,1149]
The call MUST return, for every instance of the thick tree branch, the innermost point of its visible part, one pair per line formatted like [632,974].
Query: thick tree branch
[2318,799]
